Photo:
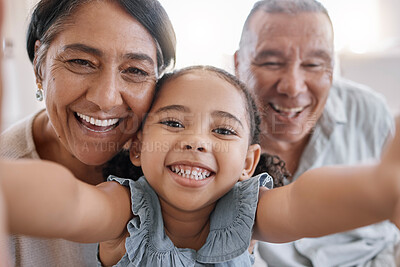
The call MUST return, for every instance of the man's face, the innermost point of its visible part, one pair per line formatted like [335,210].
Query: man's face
[287,61]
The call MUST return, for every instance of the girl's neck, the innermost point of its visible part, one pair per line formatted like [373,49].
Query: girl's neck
[186,229]
[49,148]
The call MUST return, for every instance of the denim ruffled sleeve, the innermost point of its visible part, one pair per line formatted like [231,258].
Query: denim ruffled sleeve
[232,223]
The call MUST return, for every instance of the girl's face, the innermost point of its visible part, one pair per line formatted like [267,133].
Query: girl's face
[195,141]
[99,77]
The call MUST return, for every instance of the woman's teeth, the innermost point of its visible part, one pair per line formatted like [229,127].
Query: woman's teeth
[97,122]
[194,173]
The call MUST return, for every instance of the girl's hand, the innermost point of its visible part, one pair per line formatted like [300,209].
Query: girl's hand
[111,251]
[390,168]
[391,160]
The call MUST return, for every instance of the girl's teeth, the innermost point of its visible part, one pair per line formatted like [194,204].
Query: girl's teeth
[190,173]
[97,122]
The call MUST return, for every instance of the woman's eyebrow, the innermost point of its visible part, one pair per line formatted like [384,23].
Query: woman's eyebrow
[226,115]
[97,52]
[140,57]
[83,48]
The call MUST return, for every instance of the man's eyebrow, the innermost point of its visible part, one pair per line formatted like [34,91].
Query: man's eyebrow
[83,48]
[140,57]
[226,115]
[269,53]
[179,108]
[321,54]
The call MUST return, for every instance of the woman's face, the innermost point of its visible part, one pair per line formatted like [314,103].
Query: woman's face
[98,78]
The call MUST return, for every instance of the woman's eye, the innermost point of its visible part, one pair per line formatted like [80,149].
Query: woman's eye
[172,123]
[135,74]
[135,71]
[81,62]
[224,131]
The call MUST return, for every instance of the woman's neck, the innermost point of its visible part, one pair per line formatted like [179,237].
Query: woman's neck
[49,148]
[186,229]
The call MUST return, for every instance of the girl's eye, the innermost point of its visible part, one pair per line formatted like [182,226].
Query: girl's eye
[172,123]
[224,131]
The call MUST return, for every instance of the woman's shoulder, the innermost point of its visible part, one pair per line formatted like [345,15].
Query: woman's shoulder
[17,140]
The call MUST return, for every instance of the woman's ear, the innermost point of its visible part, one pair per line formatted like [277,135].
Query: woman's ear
[250,164]
[135,149]
[35,62]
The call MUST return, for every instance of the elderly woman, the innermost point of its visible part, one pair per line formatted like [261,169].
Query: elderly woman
[96,65]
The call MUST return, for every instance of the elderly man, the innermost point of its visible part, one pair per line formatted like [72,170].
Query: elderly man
[286,58]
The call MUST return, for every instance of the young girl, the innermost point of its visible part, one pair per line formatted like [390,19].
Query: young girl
[195,204]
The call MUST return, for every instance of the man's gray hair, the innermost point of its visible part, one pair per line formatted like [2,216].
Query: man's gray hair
[284,6]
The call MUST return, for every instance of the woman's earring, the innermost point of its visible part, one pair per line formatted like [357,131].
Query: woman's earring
[137,156]
[39,92]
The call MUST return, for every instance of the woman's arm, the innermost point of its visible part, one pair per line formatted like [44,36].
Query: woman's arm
[44,199]
[332,199]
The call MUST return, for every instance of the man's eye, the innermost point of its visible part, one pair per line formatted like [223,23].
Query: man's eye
[312,65]
[272,64]
[224,131]
[172,123]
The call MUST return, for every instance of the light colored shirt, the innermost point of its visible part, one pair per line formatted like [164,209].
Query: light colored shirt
[17,143]
[353,128]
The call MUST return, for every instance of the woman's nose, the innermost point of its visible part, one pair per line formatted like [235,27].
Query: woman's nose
[105,91]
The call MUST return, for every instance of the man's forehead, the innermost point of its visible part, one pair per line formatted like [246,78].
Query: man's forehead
[305,24]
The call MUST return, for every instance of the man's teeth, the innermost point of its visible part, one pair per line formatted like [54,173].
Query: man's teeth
[287,110]
[194,173]
[97,122]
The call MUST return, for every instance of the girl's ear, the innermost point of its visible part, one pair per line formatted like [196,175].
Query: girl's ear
[250,164]
[135,149]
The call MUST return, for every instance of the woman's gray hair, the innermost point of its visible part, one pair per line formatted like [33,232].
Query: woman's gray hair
[50,17]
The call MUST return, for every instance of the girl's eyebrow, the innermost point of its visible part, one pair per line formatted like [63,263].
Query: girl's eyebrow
[226,115]
[216,113]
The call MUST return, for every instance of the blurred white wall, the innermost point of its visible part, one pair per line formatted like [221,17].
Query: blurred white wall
[367,34]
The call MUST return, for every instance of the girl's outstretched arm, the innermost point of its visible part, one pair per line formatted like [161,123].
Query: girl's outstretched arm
[332,199]
[44,199]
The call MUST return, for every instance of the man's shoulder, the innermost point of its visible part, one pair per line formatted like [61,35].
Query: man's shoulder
[356,95]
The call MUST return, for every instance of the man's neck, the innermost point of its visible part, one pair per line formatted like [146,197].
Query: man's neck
[290,152]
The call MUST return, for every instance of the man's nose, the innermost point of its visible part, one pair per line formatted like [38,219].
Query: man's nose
[105,91]
[292,82]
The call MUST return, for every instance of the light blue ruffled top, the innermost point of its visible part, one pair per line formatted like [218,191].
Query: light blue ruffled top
[231,225]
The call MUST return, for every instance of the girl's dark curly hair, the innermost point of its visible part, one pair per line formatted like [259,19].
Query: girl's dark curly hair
[120,165]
